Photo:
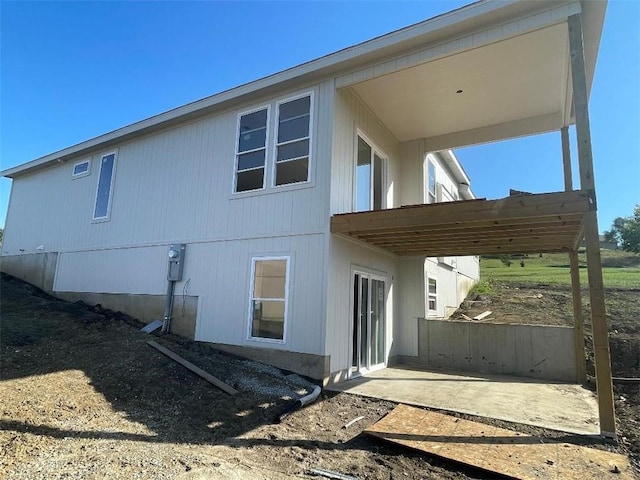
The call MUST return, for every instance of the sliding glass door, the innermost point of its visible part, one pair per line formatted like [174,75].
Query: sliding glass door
[368,342]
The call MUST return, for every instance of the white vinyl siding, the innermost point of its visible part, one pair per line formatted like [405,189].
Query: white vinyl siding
[81,169]
[293,142]
[268,302]
[104,190]
[251,150]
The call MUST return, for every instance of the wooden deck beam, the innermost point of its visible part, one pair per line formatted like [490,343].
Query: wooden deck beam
[514,210]
[495,231]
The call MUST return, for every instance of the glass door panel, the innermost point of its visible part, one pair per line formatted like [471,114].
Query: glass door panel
[363,177]
[377,322]
[368,341]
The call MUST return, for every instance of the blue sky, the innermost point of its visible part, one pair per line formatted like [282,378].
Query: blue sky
[74,70]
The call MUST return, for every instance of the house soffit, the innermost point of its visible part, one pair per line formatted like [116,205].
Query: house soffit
[519,80]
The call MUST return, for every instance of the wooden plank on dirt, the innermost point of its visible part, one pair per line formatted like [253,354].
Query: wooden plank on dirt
[497,449]
[197,370]
[483,315]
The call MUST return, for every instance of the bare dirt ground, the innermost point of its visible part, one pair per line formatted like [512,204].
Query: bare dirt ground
[552,305]
[83,396]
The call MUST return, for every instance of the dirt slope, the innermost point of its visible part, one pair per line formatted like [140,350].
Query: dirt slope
[83,396]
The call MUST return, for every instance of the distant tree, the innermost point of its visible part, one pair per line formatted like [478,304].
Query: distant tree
[625,232]
[1,235]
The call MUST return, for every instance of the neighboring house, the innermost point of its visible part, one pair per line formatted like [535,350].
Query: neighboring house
[254,181]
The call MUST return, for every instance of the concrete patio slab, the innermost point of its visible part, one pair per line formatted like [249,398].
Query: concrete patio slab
[554,405]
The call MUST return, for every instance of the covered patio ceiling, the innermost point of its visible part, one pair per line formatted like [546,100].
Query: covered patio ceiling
[503,82]
[541,223]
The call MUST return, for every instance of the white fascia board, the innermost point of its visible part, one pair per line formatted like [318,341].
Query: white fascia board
[453,165]
[444,26]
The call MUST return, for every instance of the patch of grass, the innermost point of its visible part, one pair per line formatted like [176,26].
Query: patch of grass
[619,269]
[485,286]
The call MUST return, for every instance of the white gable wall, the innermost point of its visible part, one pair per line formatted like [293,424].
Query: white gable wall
[176,186]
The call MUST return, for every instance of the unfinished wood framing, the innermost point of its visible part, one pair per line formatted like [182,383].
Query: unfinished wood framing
[548,222]
[594,264]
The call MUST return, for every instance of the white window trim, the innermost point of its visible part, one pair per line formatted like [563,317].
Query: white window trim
[251,338]
[266,150]
[385,159]
[274,152]
[430,312]
[83,174]
[107,217]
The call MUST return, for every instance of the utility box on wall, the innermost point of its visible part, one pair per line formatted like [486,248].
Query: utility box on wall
[176,261]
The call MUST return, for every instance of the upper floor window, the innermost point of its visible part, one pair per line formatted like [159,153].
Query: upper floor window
[251,151]
[292,147]
[370,178]
[431,182]
[284,157]
[106,177]
[81,169]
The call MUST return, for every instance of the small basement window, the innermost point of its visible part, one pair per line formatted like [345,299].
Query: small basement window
[268,309]
[81,169]
[106,177]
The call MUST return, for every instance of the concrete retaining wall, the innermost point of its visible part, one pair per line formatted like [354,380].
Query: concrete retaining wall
[38,269]
[539,351]
[144,307]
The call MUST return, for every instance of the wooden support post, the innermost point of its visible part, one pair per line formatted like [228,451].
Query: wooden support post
[594,264]
[576,295]
[566,159]
[578,324]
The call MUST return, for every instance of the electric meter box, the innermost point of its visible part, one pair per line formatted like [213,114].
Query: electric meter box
[176,261]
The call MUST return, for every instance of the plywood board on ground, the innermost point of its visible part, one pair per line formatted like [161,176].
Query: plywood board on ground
[497,449]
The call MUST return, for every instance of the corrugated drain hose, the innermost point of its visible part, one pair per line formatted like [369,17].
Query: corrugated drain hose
[301,402]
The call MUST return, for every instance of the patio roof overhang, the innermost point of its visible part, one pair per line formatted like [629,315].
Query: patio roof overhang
[541,223]
[505,79]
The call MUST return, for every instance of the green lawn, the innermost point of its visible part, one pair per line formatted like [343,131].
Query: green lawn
[619,269]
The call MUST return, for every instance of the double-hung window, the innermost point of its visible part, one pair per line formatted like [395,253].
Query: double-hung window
[105,187]
[251,151]
[292,146]
[283,157]
[432,296]
[268,305]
